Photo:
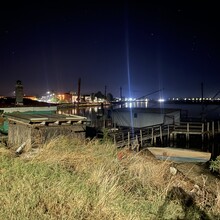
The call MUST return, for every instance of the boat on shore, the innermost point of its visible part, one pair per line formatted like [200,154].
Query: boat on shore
[179,155]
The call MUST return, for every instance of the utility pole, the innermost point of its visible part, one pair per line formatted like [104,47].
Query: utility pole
[78,95]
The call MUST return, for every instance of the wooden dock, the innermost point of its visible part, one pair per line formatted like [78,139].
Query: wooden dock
[136,138]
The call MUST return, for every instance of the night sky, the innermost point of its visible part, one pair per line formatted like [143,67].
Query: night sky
[141,46]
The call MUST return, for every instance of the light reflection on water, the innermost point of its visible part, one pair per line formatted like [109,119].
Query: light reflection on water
[92,112]
[189,110]
[83,111]
[89,112]
[136,104]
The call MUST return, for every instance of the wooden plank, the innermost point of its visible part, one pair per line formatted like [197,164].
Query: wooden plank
[38,119]
[47,118]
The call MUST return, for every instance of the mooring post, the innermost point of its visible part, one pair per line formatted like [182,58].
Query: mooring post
[123,137]
[175,137]
[152,136]
[136,137]
[213,129]
[187,132]
[104,123]
[114,139]
[129,140]
[161,135]
[208,130]
[141,138]
[137,145]
[168,133]
[218,127]
[202,132]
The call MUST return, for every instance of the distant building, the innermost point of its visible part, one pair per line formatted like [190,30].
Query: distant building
[87,98]
[65,98]
[34,98]
[19,93]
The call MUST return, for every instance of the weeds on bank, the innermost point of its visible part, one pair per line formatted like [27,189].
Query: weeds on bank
[73,179]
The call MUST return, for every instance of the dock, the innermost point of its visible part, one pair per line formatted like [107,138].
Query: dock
[136,138]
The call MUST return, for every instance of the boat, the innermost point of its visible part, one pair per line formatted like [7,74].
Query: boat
[179,155]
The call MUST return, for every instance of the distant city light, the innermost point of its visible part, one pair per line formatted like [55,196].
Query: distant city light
[161,100]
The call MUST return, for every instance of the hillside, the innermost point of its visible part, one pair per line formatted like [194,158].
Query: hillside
[72,179]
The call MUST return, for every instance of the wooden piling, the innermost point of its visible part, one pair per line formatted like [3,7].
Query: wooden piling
[114,140]
[141,137]
[213,129]
[137,145]
[187,133]
[202,132]
[152,135]
[208,132]
[168,133]
[161,135]
[129,142]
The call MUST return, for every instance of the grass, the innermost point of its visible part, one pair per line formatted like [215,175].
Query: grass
[73,179]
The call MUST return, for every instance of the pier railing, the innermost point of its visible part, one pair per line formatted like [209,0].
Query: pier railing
[135,137]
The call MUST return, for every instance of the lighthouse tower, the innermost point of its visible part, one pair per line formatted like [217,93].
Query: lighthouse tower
[19,93]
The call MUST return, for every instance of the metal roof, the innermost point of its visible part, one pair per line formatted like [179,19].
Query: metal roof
[44,118]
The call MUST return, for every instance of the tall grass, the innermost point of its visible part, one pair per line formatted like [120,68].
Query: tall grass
[72,179]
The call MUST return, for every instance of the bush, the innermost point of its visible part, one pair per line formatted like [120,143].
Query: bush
[215,165]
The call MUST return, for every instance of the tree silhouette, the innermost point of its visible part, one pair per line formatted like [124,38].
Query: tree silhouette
[109,97]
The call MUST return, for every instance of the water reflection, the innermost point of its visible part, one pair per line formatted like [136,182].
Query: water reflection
[135,104]
[90,113]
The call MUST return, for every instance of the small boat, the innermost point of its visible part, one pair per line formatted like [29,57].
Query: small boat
[179,154]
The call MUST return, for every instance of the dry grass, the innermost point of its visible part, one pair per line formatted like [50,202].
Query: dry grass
[73,179]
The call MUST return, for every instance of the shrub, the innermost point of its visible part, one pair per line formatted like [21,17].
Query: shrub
[215,165]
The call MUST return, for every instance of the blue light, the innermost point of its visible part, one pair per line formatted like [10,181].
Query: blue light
[129,77]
